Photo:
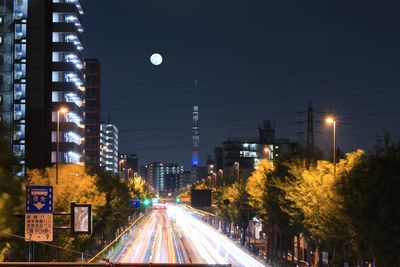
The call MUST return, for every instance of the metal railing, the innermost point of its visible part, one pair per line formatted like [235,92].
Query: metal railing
[110,264]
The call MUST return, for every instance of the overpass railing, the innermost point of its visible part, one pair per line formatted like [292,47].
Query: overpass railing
[109,264]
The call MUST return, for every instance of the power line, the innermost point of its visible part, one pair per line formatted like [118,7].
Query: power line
[269,100]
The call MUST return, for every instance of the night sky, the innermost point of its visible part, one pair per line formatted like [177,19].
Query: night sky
[253,60]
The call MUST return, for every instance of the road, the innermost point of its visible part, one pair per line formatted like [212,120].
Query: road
[176,235]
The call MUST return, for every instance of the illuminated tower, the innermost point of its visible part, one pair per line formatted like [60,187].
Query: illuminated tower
[195,137]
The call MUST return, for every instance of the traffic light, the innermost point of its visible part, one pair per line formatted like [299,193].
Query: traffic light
[146,202]
[178,200]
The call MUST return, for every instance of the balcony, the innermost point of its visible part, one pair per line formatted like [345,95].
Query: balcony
[67,67]
[67,8]
[67,146]
[66,27]
[72,107]
[67,87]
[67,47]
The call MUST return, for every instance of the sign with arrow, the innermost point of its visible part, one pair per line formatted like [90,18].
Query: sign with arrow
[39,199]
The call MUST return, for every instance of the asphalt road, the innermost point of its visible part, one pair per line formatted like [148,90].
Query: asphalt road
[176,235]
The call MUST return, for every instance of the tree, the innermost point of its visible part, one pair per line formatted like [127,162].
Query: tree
[233,205]
[138,188]
[115,212]
[74,184]
[10,192]
[371,203]
[256,185]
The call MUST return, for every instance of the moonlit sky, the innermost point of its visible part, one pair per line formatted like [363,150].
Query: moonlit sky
[253,60]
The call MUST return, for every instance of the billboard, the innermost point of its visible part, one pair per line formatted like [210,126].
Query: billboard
[201,198]
[81,218]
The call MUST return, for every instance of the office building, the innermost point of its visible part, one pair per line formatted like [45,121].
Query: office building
[109,147]
[92,114]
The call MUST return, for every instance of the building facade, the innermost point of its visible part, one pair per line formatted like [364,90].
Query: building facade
[185,179]
[239,156]
[56,83]
[92,114]
[109,147]
[41,74]
[156,172]
[129,165]
[13,64]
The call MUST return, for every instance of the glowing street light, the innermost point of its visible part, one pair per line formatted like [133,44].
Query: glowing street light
[332,120]
[62,110]
[236,165]
[120,167]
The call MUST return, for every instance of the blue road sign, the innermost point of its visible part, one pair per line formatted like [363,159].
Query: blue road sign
[39,199]
[134,202]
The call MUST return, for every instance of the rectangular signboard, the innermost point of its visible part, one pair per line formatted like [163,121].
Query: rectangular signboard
[201,198]
[39,199]
[39,227]
[134,202]
[81,218]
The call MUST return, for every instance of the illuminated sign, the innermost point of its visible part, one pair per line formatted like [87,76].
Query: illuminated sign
[81,218]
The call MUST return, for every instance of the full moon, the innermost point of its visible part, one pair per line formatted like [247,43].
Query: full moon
[156,59]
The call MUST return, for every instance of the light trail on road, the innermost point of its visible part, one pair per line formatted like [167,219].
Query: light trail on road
[177,235]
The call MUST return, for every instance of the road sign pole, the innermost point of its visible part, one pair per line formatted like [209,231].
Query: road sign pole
[30,251]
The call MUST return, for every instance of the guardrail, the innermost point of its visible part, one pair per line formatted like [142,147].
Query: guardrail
[109,264]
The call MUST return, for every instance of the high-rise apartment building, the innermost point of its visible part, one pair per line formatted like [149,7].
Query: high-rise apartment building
[13,69]
[41,74]
[109,147]
[92,114]
[156,172]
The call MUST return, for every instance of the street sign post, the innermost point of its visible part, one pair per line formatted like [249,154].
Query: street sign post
[134,202]
[39,217]
[39,199]
[39,227]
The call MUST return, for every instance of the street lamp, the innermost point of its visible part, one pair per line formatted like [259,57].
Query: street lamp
[120,166]
[236,164]
[62,110]
[267,152]
[332,120]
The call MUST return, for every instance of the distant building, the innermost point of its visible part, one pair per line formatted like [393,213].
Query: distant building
[143,172]
[210,165]
[128,165]
[185,179]
[109,147]
[92,114]
[156,172]
[219,158]
[172,182]
[238,156]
